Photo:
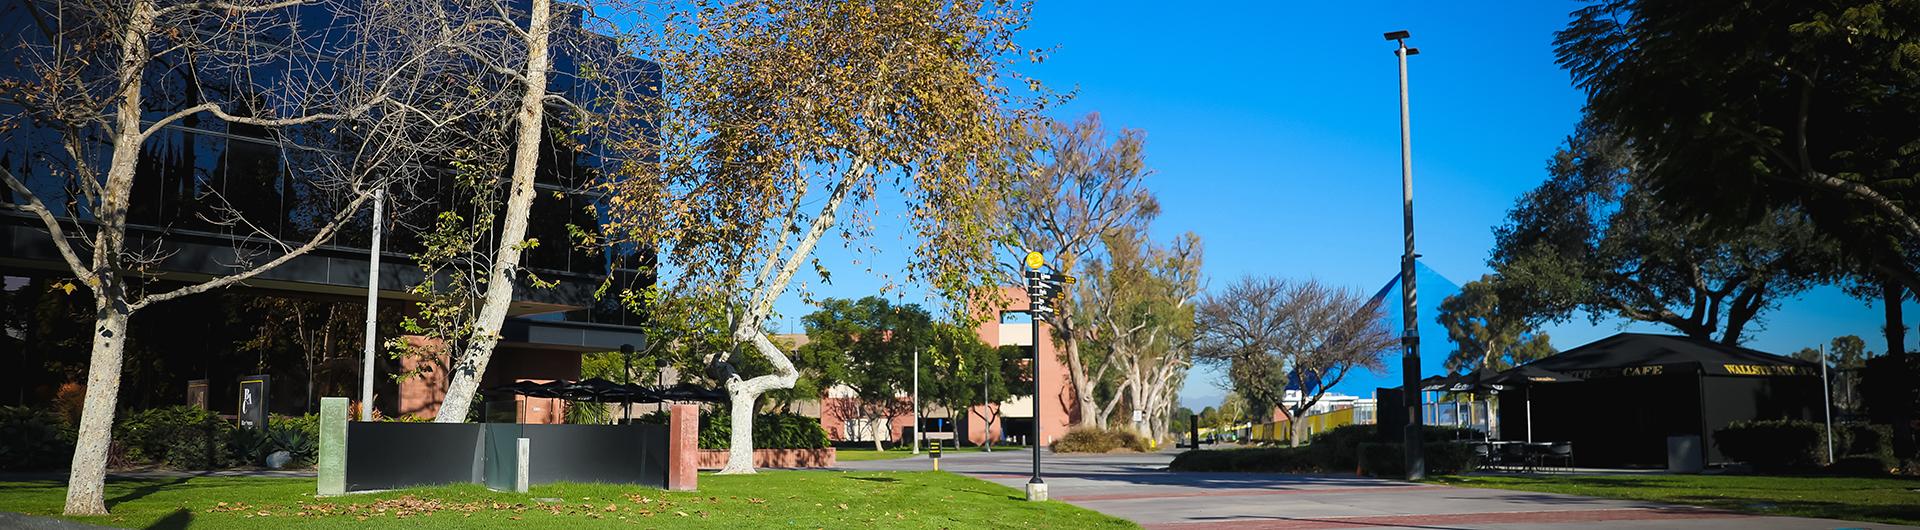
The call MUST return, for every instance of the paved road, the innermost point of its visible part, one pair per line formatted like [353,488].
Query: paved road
[1137,487]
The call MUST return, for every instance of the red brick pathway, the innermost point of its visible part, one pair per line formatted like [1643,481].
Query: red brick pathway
[1427,521]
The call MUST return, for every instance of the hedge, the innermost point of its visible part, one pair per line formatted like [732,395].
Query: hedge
[1800,446]
[1099,440]
[1773,445]
[33,439]
[1442,458]
[770,431]
[1336,450]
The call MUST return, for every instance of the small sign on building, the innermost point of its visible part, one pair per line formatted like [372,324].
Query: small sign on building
[253,401]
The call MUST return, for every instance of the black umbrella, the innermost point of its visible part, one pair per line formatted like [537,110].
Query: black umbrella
[531,389]
[692,392]
[1525,376]
[1438,383]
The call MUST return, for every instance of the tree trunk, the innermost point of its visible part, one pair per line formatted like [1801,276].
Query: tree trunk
[1892,296]
[741,393]
[87,481]
[86,478]
[1298,422]
[471,364]
[1077,374]
[880,432]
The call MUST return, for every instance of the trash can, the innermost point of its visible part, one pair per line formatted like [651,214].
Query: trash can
[1683,454]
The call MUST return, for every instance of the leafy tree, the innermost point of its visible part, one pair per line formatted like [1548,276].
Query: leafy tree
[785,121]
[1269,332]
[867,346]
[1486,332]
[1594,239]
[1773,105]
[966,376]
[1079,189]
[1137,308]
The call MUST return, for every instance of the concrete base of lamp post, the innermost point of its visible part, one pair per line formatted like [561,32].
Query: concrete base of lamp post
[1036,491]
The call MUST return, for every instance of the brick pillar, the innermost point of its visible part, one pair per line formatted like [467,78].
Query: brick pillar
[683,448]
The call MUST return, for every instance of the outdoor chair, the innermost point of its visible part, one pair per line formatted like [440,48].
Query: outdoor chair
[1488,458]
[1559,452]
[1515,454]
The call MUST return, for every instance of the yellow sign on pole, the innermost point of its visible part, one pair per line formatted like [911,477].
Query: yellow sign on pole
[1035,260]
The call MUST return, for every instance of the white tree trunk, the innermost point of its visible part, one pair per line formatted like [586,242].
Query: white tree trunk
[742,394]
[881,431]
[87,481]
[470,365]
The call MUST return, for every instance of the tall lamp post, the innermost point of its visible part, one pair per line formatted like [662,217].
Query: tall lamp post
[626,363]
[1410,334]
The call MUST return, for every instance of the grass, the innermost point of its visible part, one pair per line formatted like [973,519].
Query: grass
[803,499]
[1885,500]
[863,454]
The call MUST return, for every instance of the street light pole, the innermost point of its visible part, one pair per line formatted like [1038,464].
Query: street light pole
[373,307]
[1410,334]
[916,401]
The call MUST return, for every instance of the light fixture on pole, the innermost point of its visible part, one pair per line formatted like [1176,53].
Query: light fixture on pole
[1411,396]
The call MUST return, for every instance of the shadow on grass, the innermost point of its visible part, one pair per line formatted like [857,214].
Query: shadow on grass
[876,479]
[143,491]
[178,520]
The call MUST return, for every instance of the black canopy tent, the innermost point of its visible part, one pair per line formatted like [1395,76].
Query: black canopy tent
[1633,390]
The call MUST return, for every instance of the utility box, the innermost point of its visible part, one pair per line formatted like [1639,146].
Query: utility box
[1684,454]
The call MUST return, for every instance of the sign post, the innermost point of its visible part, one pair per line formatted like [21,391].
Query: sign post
[933,451]
[1042,288]
[253,401]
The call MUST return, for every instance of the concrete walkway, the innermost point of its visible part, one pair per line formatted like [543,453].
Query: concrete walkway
[1138,487]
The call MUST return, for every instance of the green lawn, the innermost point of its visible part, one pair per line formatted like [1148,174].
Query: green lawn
[1886,500]
[801,499]
[857,455]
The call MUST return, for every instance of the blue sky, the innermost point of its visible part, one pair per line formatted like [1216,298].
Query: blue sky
[1273,131]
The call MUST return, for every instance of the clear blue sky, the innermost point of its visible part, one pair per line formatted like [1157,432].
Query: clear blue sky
[1273,131]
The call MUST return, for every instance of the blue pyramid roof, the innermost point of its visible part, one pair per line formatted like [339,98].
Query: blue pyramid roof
[1431,288]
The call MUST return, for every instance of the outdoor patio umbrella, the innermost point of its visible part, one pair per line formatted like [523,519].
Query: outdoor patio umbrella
[531,389]
[1525,376]
[692,392]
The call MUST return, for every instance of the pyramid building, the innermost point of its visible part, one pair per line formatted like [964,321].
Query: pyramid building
[1434,344]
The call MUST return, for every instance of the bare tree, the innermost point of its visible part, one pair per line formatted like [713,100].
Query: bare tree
[784,121]
[1137,309]
[99,81]
[1269,332]
[1078,189]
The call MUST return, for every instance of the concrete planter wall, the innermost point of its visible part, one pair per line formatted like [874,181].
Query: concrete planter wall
[789,458]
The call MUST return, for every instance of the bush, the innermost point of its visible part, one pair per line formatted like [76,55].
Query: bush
[1264,459]
[1773,445]
[33,439]
[298,436]
[1098,440]
[1862,441]
[1338,449]
[181,437]
[1443,458]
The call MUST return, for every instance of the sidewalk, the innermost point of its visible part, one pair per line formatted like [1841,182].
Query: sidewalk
[1138,487]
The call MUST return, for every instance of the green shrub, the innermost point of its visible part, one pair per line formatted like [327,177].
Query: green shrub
[299,436]
[770,431]
[33,439]
[1860,466]
[1773,445]
[180,436]
[1443,458]
[1098,440]
[1260,459]
[1339,448]
[1859,440]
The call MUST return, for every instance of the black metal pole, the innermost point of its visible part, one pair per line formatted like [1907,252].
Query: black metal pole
[1033,280]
